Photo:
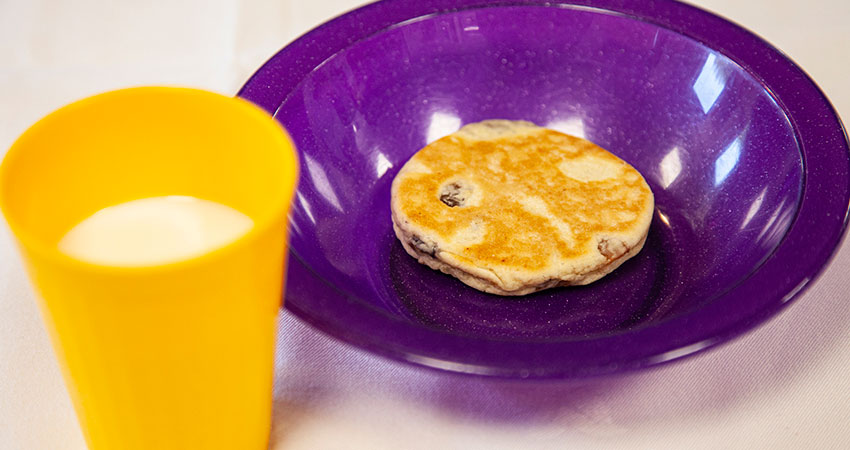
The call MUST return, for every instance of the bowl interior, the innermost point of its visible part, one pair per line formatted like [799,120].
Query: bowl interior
[718,152]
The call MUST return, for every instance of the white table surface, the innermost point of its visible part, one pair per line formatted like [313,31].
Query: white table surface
[783,386]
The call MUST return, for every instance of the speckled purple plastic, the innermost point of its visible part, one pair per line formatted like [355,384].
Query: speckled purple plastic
[747,159]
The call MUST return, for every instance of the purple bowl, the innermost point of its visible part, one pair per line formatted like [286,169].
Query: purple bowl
[747,159]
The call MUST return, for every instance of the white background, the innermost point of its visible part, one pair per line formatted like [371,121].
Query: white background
[783,386]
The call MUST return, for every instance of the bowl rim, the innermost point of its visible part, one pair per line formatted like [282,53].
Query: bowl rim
[809,244]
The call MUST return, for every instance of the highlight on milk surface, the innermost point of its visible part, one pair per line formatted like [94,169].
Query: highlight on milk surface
[155,230]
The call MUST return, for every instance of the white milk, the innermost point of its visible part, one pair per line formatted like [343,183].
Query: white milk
[153,231]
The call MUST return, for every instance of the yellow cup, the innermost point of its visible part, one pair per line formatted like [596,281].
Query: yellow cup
[173,356]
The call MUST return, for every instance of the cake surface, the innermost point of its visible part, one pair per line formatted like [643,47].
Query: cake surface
[511,208]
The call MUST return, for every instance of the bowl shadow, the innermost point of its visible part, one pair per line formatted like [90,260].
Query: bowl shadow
[314,371]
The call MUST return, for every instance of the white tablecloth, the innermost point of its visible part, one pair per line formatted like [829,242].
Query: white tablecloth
[783,386]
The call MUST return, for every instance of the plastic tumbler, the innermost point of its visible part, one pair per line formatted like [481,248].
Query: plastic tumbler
[171,356]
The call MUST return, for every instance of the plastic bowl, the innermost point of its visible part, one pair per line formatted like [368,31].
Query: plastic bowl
[747,160]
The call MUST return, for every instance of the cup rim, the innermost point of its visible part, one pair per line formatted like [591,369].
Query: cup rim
[269,217]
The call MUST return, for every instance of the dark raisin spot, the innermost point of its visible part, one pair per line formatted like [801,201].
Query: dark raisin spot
[422,246]
[454,194]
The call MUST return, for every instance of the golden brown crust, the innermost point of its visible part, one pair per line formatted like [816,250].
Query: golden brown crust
[520,206]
